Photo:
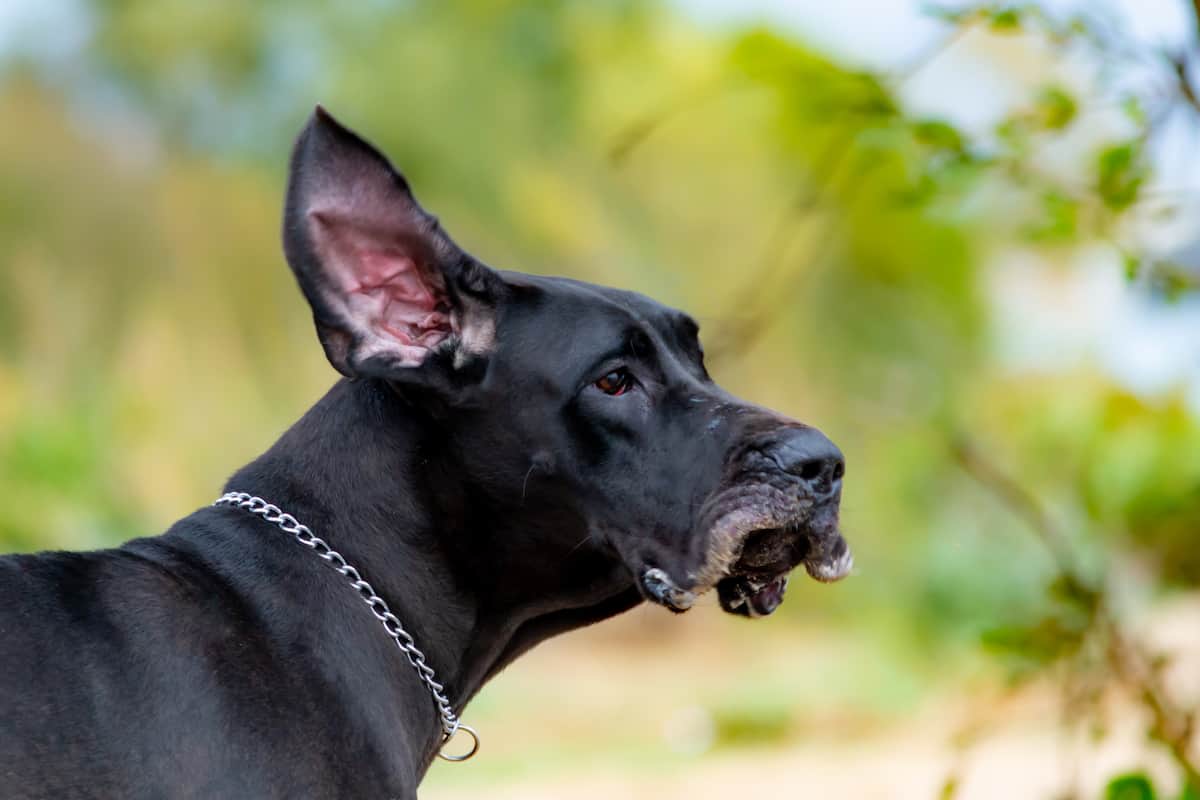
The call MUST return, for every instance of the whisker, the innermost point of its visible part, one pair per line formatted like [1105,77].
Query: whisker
[586,538]
[525,483]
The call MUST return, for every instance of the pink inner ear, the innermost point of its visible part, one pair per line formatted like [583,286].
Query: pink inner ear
[386,294]
[397,308]
[403,304]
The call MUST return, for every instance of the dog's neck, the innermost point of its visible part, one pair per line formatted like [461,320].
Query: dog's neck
[363,468]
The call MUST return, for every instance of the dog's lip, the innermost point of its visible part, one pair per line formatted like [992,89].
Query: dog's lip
[830,567]
[782,530]
[816,541]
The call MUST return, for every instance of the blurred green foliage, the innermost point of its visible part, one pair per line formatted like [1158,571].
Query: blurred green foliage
[1139,786]
[1131,787]
[834,246]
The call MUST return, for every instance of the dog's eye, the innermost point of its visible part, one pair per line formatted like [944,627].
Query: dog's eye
[615,383]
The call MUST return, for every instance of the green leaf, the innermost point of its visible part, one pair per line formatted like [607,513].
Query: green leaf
[939,134]
[1055,108]
[1121,171]
[1172,280]
[950,788]
[1132,264]
[1006,20]
[1059,220]
[1013,133]
[1132,107]
[1134,786]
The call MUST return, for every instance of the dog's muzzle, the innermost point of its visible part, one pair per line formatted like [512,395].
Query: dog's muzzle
[781,512]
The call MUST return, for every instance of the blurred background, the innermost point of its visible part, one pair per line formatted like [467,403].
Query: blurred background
[960,239]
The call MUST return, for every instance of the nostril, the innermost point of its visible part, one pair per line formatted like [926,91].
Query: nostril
[811,470]
[809,455]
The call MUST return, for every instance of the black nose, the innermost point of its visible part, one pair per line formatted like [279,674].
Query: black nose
[808,453]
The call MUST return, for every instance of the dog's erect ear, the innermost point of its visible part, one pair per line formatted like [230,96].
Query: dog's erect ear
[390,292]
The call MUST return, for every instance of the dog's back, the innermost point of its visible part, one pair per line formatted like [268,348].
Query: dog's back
[65,672]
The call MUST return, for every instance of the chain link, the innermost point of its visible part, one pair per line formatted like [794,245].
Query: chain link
[379,607]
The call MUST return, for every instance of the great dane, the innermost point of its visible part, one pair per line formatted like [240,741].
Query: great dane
[506,458]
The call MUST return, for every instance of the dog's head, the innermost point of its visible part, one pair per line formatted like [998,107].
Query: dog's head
[579,420]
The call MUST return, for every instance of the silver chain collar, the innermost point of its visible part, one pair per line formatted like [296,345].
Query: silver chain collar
[379,607]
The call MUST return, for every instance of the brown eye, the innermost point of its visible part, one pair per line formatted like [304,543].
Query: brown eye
[615,383]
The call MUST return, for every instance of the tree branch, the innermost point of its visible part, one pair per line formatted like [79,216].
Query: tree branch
[1128,660]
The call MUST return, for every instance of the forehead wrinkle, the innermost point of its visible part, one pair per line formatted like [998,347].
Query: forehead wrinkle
[667,330]
[671,361]
[685,325]
[678,332]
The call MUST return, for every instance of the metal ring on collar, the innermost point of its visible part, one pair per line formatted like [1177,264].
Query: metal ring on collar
[474,744]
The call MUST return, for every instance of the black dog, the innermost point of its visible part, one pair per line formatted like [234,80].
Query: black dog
[509,457]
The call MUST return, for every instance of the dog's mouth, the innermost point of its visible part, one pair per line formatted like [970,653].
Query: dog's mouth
[758,579]
[752,552]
